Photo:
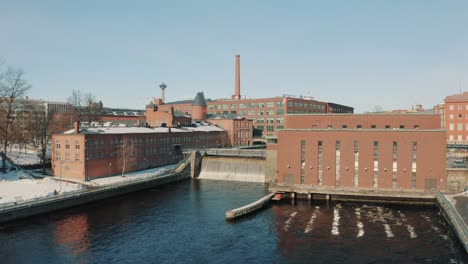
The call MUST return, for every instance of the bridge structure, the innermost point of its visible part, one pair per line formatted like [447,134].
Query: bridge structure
[244,153]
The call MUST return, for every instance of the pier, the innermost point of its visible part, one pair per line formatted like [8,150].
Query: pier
[241,211]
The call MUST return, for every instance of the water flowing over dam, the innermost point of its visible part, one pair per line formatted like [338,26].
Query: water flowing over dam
[233,169]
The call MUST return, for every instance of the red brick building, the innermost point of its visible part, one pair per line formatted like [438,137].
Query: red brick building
[380,151]
[162,115]
[239,129]
[267,114]
[456,118]
[94,152]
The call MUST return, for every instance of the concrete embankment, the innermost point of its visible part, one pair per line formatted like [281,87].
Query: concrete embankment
[235,213]
[356,195]
[233,169]
[66,200]
[452,216]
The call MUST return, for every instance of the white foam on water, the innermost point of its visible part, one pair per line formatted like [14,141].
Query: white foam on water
[360,225]
[336,222]
[387,228]
[411,231]
[388,231]
[288,222]
[310,224]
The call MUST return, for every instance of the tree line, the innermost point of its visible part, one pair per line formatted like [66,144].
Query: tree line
[25,123]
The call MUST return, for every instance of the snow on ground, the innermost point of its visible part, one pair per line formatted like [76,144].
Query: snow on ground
[18,186]
[15,189]
[21,190]
[450,197]
[133,176]
[23,157]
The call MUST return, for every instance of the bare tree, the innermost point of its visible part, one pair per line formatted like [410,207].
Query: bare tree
[44,124]
[13,86]
[125,153]
[76,99]
[85,105]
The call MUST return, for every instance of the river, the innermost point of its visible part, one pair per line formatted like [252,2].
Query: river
[185,223]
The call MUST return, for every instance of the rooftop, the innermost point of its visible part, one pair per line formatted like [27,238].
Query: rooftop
[463,97]
[196,127]
[199,99]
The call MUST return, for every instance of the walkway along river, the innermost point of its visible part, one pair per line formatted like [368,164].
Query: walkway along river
[185,222]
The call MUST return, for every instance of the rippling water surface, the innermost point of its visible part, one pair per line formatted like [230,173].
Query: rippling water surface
[185,223]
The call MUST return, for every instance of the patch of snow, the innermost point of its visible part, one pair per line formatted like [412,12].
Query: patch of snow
[145,174]
[22,158]
[23,190]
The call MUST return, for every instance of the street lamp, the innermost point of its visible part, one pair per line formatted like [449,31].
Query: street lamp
[110,164]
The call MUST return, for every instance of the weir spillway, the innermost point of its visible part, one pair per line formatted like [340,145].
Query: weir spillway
[233,169]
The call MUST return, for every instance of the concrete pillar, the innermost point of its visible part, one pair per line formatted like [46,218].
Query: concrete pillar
[309,197]
[327,197]
[293,197]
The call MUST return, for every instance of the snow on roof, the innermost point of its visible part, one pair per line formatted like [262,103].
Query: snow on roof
[203,127]
[197,127]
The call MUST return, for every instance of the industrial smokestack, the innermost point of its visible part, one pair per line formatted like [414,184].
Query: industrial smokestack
[163,87]
[237,94]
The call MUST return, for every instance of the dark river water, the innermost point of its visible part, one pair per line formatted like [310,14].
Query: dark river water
[185,223]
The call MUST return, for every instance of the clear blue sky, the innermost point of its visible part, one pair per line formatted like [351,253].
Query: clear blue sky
[360,53]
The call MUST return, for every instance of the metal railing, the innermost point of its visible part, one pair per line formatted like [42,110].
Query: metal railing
[458,223]
[257,153]
[28,202]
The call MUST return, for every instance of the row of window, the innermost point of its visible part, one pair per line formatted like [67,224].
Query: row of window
[99,143]
[372,126]
[306,105]
[243,105]
[460,116]
[459,137]
[100,154]
[67,156]
[459,126]
[279,120]
[243,124]
[269,128]
[67,144]
[243,134]
[459,107]
[267,105]
[375,169]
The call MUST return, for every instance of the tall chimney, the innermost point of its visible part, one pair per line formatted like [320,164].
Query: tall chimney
[76,127]
[237,94]
[163,87]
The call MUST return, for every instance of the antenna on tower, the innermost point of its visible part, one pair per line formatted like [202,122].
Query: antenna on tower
[163,87]
[459,86]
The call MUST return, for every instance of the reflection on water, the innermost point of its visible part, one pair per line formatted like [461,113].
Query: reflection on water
[72,233]
[185,223]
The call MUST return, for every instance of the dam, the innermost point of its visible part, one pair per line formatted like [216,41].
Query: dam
[233,169]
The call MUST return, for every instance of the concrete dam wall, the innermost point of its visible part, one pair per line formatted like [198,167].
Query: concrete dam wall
[233,169]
